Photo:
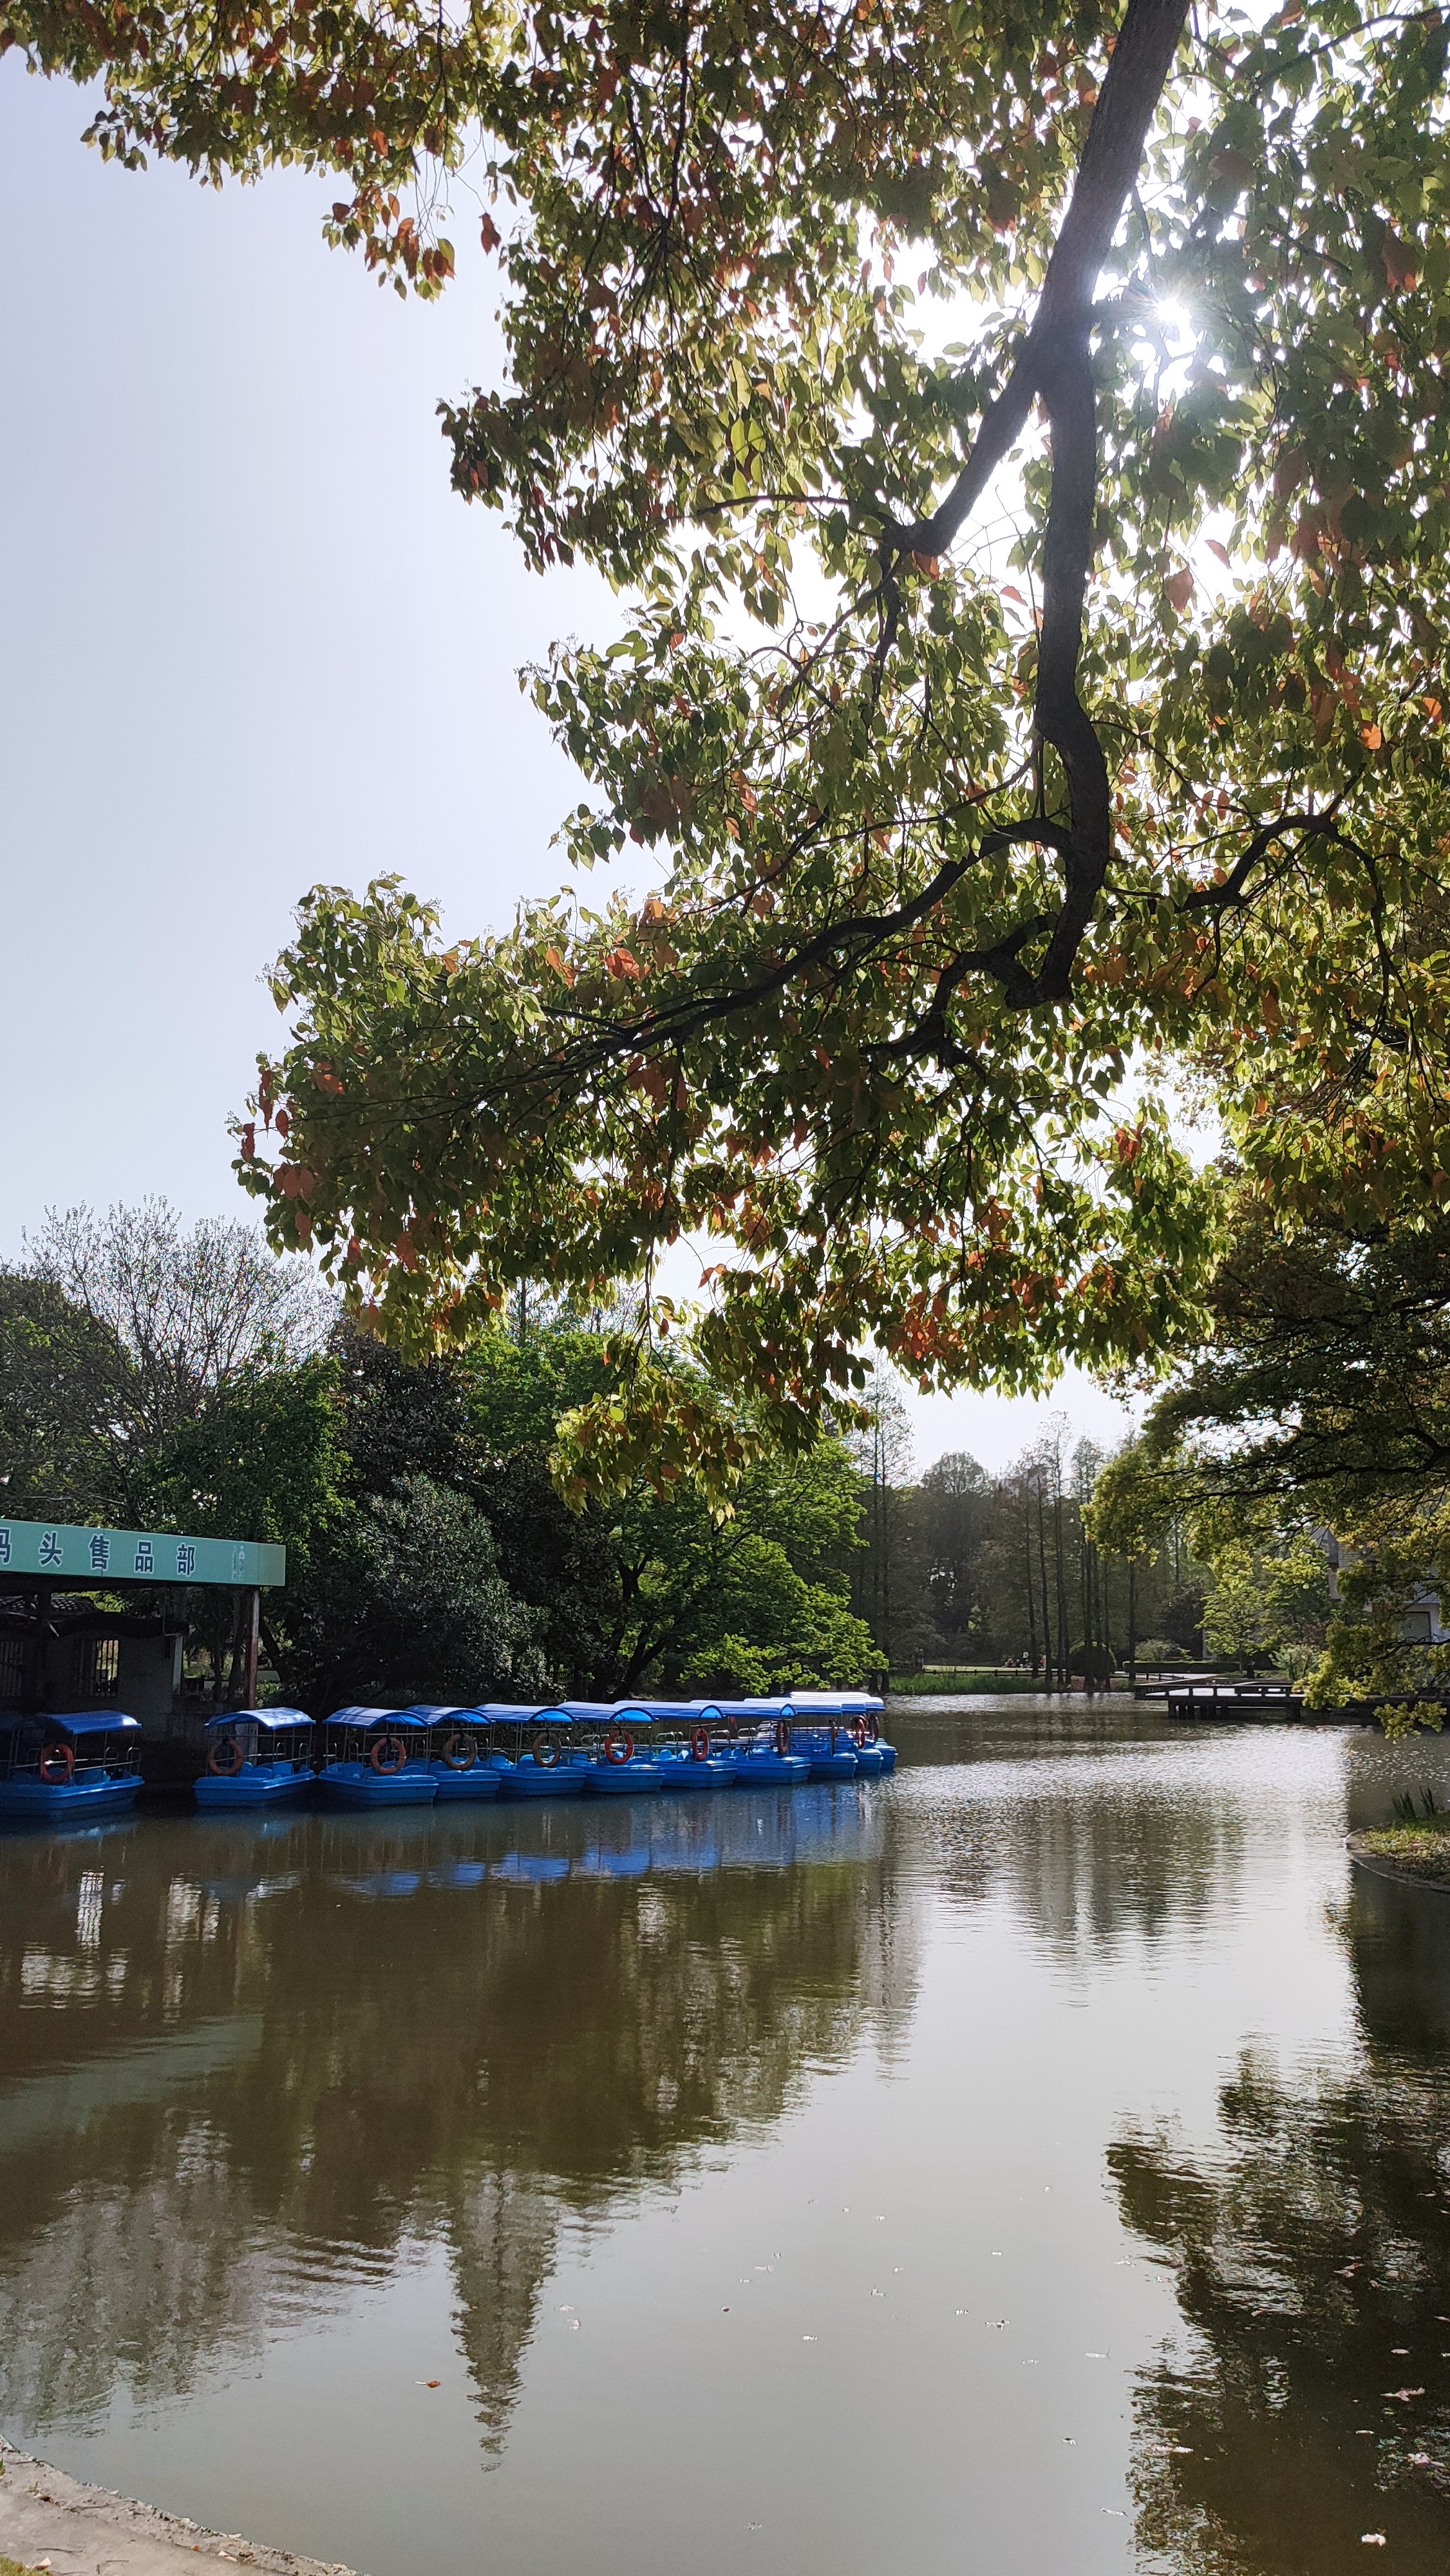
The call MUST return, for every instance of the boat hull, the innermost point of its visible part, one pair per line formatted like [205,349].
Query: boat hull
[870,1761]
[530,1779]
[262,1784]
[625,1779]
[775,1770]
[357,1784]
[833,1766]
[717,1771]
[888,1756]
[67,1802]
[453,1788]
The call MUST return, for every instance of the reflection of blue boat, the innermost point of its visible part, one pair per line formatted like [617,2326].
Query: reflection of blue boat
[630,1863]
[378,1758]
[69,1770]
[256,1757]
[457,1755]
[533,1869]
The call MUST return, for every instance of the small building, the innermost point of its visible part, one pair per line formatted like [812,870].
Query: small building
[66,1645]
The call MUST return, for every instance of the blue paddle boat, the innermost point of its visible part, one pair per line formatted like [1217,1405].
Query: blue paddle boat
[69,1770]
[256,1757]
[853,1714]
[698,1755]
[764,1751]
[377,1757]
[457,1754]
[618,1769]
[539,1759]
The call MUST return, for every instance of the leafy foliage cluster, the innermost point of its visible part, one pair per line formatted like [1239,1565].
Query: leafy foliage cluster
[944,863]
[1316,1426]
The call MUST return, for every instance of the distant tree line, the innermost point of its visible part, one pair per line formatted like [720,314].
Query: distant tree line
[965,1568]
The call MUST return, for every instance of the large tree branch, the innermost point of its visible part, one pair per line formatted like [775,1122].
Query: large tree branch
[1107,175]
[1055,365]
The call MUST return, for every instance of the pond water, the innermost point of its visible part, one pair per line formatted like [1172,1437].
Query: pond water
[1037,2163]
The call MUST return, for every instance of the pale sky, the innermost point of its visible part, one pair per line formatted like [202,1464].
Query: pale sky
[250,640]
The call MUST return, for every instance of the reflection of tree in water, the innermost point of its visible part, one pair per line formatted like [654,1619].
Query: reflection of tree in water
[1087,1870]
[240,2092]
[1312,2264]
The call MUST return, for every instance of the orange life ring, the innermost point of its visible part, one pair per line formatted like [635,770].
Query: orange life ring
[873,1731]
[383,1745]
[547,1754]
[700,1743]
[222,1744]
[859,1731]
[782,1736]
[619,1736]
[452,1758]
[57,1765]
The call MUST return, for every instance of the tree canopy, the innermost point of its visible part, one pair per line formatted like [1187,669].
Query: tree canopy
[1025,444]
[1313,1430]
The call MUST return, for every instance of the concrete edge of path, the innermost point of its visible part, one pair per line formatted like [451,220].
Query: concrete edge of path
[52,2520]
[1386,1869]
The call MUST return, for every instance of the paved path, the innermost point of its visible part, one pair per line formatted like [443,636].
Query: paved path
[48,2520]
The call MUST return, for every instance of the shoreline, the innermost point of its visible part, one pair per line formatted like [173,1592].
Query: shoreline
[50,2519]
[1398,1876]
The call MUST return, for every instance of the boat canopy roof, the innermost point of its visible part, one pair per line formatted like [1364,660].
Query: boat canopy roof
[504,1712]
[274,1719]
[802,1704]
[682,1712]
[430,1713]
[95,1721]
[377,1720]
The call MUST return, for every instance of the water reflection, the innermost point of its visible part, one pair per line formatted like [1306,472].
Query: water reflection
[1310,2250]
[247,2068]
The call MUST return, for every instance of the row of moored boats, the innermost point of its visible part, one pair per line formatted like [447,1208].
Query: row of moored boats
[69,1768]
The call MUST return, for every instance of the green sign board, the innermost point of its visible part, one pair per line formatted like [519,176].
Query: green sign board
[136,1556]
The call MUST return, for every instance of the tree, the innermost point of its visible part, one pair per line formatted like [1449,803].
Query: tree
[953,1519]
[651,1589]
[934,872]
[170,1380]
[61,1395]
[407,1604]
[1319,1408]
[943,859]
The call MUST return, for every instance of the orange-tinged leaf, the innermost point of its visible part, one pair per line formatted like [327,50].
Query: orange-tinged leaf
[1178,590]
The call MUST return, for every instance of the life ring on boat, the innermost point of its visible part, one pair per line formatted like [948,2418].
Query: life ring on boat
[225,1758]
[782,1736]
[700,1743]
[861,1735]
[450,1755]
[383,1749]
[57,1765]
[873,1731]
[547,1754]
[619,1745]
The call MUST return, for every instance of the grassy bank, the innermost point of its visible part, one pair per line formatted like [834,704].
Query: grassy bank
[1421,1849]
[935,1684]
